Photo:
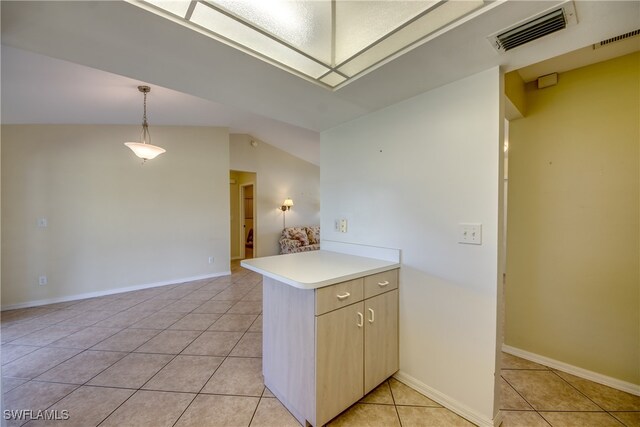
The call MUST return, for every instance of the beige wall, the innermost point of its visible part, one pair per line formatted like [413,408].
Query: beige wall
[278,175]
[112,222]
[405,177]
[573,262]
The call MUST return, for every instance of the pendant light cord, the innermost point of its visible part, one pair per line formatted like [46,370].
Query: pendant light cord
[145,127]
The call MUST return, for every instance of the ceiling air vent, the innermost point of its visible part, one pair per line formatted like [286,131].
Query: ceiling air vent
[616,39]
[534,28]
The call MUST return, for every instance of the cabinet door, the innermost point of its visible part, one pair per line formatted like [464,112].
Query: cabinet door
[339,363]
[380,339]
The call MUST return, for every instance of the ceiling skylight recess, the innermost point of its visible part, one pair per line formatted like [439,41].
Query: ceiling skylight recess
[330,42]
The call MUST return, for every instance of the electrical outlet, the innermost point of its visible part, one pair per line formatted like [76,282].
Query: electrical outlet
[343,225]
[211,260]
[470,234]
[42,280]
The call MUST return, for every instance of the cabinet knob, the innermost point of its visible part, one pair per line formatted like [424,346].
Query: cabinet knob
[360,320]
[343,296]
[383,284]
[372,315]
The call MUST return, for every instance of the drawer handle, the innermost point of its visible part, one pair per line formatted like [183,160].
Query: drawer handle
[360,320]
[372,316]
[383,284]
[343,296]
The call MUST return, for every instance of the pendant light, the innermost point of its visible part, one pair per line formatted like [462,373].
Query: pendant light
[144,149]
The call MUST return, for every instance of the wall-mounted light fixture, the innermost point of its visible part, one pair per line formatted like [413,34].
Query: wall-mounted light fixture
[286,206]
[144,149]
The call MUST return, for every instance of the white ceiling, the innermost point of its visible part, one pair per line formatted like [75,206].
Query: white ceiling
[199,81]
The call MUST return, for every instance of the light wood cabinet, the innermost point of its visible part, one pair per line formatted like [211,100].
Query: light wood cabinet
[324,349]
[380,339]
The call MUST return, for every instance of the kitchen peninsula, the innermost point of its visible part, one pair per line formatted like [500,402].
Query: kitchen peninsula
[330,326]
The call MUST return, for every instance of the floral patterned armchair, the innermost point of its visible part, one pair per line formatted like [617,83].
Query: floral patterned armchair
[300,239]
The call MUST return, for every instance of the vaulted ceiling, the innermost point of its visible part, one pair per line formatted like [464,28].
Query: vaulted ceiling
[79,62]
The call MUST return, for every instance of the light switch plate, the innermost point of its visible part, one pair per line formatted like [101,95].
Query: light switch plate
[470,233]
[343,225]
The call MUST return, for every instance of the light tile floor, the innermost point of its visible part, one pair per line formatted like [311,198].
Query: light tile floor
[190,355]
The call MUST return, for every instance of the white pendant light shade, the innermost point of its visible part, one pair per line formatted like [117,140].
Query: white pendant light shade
[145,151]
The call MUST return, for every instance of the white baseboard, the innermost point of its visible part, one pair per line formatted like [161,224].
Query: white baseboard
[111,291]
[574,370]
[448,402]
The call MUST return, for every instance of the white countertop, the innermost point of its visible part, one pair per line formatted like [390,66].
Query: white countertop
[315,269]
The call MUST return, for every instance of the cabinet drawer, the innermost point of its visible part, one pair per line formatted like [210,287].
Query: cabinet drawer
[380,283]
[338,295]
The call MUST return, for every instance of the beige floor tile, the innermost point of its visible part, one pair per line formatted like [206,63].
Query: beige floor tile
[160,320]
[213,344]
[219,411]
[230,294]
[522,419]
[175,294]
[267,393]
[35,396]
[630,419]
[367,415]
[150,409]
[233,322]
[608,398]
[12,352]
[246,307]
[237,376]
[132,371]
[545,391]
[8,316]
[250,345]
[37,362]
[85,338]
[19,329]
[218,307]
[47,335]
[123,319]
[87,318]
[168,342]
[81,368]
[510,399]
[510,361]
[271,413]
[91,304]
[120,305]
[199,295]
[181,306]
[405,395]
[9,384]
[185,373]
[380,395]
[87,406]
[580,419]
[432,417]
[57,316]
[195,322]
[151,305]
[257,325]
[126,340]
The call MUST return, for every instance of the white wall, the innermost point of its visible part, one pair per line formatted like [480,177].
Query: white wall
[404,177]
[112,222]
[278,175]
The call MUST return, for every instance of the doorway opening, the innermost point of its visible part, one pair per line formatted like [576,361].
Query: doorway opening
[243,224]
